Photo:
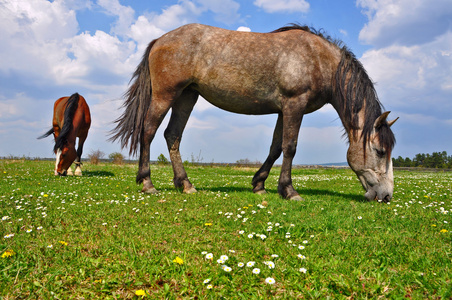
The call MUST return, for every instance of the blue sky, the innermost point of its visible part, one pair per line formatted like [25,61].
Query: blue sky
[51,49]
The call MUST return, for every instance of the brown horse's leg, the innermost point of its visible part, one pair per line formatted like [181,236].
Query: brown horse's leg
[180,112]
[275,151]
[154,117]
[77,162]
[291,127]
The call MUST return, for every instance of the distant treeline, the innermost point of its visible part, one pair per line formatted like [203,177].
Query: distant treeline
[434,160]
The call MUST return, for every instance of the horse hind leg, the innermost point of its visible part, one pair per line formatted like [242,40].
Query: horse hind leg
[261,175]
[156,113]
[180,113]
[78,163]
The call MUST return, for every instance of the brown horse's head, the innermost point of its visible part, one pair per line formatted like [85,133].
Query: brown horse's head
[65,156]
[371,160]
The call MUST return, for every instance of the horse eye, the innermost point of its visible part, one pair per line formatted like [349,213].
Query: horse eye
[380,153]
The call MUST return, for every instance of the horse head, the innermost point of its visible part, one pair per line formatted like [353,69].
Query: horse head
[371,160]
[65,156]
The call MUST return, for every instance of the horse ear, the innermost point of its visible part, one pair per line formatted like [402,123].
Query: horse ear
[392,122]
[381,119]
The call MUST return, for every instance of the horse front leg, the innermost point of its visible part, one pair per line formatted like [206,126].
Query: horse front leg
[261,175]
[180,113]
[291,128]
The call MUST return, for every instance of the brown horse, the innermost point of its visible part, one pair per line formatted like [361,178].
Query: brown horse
[291,71]
[71,119]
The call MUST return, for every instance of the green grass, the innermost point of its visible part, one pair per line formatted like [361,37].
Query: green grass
[97,236]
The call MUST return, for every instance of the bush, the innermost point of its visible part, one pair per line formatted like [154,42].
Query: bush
[162,160]
[95,156]
[117,158]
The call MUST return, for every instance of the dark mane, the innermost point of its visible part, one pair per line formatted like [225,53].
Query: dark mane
[72,104]
[353,88]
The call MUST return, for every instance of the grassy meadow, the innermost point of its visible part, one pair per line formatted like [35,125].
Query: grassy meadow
[98,237]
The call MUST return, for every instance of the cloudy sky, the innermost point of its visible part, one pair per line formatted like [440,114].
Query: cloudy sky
[51,49]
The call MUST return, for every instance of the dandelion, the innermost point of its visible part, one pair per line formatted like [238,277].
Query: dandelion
[141,293]
[250,264]
[62,243]
[178,260]
[8,253]
[208,224]
[256,271]
[240,265]
[207,281]
[209,256]
[269,280]
[302,270]
[443,230]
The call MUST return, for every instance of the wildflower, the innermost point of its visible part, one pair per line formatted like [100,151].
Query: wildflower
[250,236]
[269,264]
[232,251]
[224,257]
[209,256]
[209,286]
[178,260]
[227,269]
[250,264]
[63,243]
[303,270]
[8,253]
[269,280]
[8,236]
[50,246]
[275,255]
[443,230]
[207,281]
[39,228]
[301,247]
[301,256]
[359,218]
[104,224]
[141,293]
[208,224]
[305,242]
[240,265]
[256,271]
[29,230]
[204,252]
[5,218]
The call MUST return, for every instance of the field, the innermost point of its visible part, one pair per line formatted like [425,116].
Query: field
[97,237]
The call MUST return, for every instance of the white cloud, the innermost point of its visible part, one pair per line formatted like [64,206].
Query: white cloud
[124,14]
[404,22]
[290,6]
[243,28]
[226,11]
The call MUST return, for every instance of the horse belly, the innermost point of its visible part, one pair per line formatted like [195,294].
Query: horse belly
[241,102]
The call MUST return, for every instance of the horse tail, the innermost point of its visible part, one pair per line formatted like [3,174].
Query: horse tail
[138,99]
[51,131]
[69,112]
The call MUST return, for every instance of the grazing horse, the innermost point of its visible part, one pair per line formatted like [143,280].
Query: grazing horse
[291,72]
[71,119]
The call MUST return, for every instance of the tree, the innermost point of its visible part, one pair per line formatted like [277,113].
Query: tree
[162,160]
[117,158]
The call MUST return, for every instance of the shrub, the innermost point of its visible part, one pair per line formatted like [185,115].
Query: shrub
[95,156]
[117,158]
[162,160]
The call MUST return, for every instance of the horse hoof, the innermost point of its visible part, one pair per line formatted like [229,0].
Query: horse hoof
[191,190]
[260,192]
[152,191]
[296,198]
